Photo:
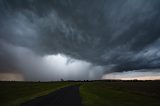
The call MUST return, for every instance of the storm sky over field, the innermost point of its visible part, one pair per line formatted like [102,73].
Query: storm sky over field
[79,39]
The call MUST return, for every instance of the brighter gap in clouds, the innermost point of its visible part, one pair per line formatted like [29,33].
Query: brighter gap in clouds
[132,75]
[62,66]
[11,77]
[62,62]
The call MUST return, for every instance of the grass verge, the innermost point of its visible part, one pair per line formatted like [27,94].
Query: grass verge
[100,94]
[15,93]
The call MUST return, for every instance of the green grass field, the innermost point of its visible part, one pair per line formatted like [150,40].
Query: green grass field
[120,94]
[15,93]
[97,93]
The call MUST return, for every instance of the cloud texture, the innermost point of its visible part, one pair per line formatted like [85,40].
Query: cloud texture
[101,37]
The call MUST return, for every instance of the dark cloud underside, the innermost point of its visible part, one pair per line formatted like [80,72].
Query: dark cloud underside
[119,35]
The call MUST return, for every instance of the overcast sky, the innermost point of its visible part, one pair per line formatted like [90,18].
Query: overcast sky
[79,39]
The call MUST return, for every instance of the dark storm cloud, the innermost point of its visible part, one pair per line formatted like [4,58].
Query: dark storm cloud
[117,35]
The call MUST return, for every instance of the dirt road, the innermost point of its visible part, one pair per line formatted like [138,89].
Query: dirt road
[68,96]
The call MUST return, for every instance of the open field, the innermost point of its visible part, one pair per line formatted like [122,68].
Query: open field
[94,93]
[118,93]
[15,93]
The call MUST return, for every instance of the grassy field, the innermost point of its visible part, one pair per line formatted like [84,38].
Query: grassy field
[96,93]
[119,93]
[15,93]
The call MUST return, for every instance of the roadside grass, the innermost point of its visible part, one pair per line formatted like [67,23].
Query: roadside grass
[15,93]
[108,94]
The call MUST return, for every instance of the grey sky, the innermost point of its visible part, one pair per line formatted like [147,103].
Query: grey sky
[100,36]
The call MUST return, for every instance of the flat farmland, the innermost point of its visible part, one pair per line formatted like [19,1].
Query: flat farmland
[87,93]
[121,93]
[15,93]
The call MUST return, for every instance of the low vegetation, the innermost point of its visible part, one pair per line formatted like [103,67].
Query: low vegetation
[96,93]
[15,93]
[118,93]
